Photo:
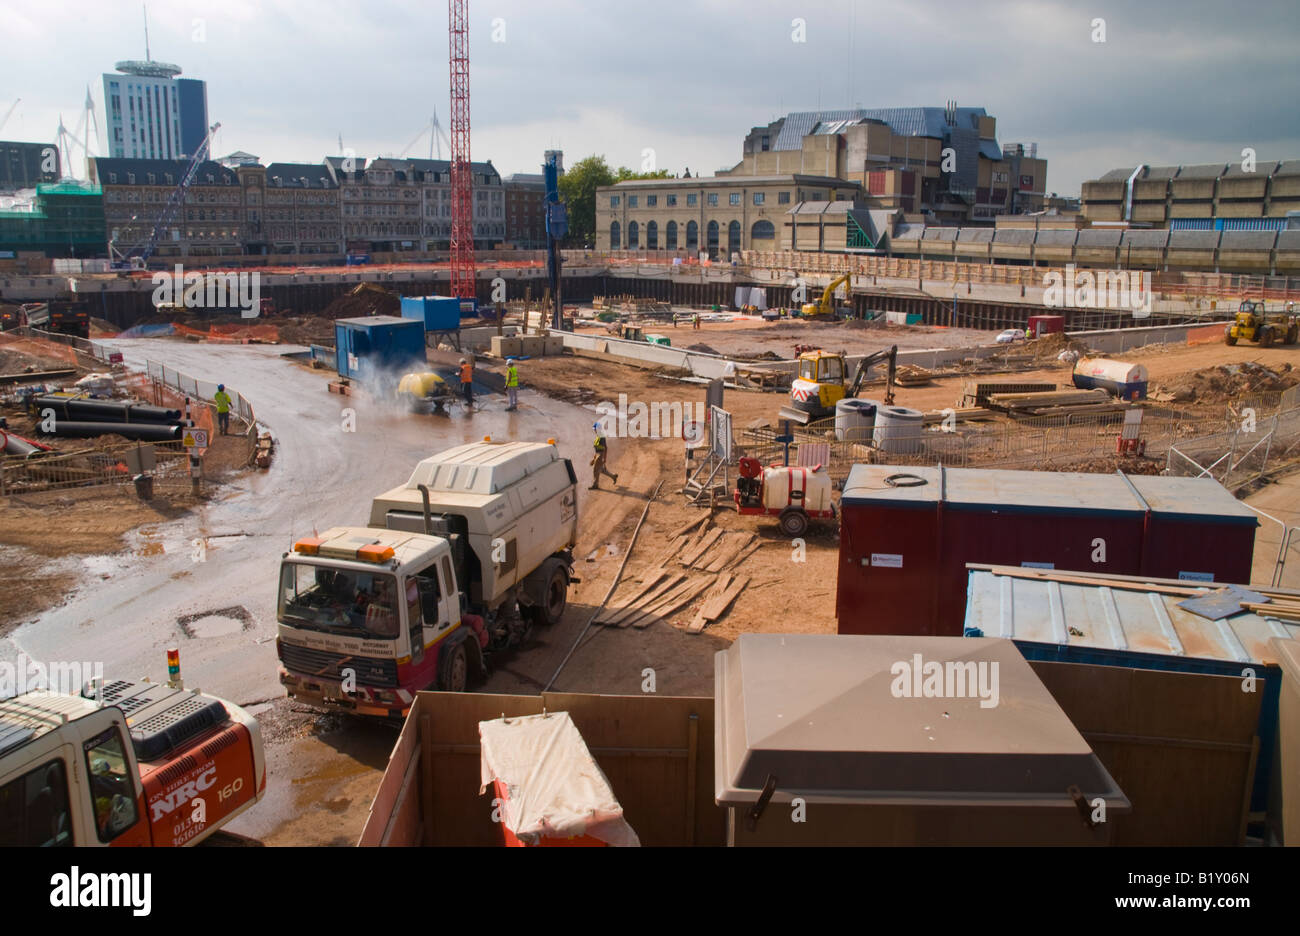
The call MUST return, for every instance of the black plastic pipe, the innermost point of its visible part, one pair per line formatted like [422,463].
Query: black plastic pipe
[105,410]
[144,432]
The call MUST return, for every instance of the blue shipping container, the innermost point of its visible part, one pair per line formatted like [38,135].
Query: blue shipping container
[439,313]
[377,345]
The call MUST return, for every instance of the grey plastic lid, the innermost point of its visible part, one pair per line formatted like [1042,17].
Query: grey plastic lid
[818,713]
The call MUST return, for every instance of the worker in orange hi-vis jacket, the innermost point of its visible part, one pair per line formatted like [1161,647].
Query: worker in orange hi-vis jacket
[467,381]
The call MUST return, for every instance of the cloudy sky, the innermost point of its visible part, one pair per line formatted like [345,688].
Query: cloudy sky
[1175,81]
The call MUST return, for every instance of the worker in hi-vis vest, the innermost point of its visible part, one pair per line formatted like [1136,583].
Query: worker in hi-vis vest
[598,460]
[467,381]
[512,382]
[222,399]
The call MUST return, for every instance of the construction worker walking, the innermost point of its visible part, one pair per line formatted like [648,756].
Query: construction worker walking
[695,321]
[222,399]
[512,383]
[598,460]
[467,381]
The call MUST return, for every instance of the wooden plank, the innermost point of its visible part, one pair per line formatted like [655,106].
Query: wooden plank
[688,559]
[746,553]
[674,598]
[717,606]
[674,548]
[697,588]
[621,615]
[647,581]
[692,525]
[719,588]
[724,557]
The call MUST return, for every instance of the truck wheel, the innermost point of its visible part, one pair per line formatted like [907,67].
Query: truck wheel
[453,672]
[1229,338]
[794,522]
[1266,338]
[555,597]
[1292,334]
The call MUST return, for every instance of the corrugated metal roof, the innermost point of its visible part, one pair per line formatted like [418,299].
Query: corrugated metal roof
[1145,239]
[1201,172]
[1106,617]
[1156,173]
[1098,237]
[1290,167]
[1288,240]
[1022,237]
[911,231]
[1248,240]
[974,235]
[1235,171]
[941,233]
[1117,175]
[1193,240]
[1056,238]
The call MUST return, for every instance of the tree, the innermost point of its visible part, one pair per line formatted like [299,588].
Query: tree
[578,191]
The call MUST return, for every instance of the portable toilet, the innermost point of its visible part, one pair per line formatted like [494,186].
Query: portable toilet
[378,344]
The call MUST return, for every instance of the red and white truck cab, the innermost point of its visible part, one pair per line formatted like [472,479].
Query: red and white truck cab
[459,562]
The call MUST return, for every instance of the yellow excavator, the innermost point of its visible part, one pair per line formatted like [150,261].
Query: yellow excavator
[825,307]
[821,383]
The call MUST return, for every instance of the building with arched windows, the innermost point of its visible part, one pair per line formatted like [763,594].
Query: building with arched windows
[720,215]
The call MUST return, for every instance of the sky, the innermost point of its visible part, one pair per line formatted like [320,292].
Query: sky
[678,85]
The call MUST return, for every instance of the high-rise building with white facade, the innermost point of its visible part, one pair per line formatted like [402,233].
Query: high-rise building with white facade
[152,114]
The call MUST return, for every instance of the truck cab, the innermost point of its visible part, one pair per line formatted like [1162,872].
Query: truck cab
[458,563]
[367,618]
[129,771]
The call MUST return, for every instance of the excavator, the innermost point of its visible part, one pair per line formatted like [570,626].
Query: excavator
[820,384]
[825,307]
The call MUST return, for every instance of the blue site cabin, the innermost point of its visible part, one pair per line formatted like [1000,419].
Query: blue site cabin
[439,313]
[378,344]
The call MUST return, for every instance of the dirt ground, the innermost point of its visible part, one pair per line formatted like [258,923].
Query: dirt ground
[45,536]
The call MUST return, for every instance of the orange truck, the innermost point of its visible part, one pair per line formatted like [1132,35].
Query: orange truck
[125,763]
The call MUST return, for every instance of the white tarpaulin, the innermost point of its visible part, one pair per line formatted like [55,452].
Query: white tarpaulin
[754,296]
[553,785]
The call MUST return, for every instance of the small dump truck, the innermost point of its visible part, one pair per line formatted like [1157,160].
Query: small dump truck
[125,763]
[456,564]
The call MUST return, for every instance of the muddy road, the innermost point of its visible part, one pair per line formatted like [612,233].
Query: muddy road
[206,583]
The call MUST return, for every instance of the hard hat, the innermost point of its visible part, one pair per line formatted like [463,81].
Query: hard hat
[221,386]
[595,426]
[463,361]
[510,360]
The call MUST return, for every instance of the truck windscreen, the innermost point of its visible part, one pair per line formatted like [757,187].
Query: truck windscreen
[346,601]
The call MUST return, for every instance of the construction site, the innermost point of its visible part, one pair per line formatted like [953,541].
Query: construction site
[570,548]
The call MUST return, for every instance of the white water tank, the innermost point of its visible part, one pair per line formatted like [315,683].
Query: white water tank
[898,430]
[855,419]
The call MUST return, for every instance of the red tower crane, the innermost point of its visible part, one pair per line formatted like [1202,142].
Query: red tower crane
[462,175]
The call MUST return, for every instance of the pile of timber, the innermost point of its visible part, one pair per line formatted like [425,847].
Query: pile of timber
[977,392]
[1054,402]
[693,569]
[959,413]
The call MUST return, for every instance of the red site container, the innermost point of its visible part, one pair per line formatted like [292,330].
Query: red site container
[907,534]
